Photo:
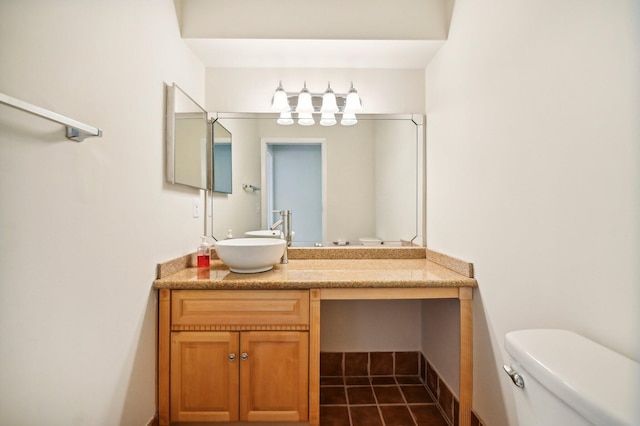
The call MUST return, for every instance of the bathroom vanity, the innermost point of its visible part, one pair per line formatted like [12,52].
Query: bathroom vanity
[246,347]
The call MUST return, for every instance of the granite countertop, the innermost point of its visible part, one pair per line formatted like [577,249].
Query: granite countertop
[430,270]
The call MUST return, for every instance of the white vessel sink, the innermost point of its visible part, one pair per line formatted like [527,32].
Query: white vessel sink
[264,233]
[250,255]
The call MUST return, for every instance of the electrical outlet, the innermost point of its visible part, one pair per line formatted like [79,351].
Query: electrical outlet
[196,207]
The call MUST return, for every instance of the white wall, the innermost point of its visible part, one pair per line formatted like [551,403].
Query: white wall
[533,133]
[370,325]
[83,225]
[383,91]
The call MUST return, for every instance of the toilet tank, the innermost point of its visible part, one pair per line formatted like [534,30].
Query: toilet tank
[570,380]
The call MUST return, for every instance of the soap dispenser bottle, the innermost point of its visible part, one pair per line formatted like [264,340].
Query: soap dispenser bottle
[204,253]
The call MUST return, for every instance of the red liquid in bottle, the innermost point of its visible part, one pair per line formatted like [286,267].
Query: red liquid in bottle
[203,261]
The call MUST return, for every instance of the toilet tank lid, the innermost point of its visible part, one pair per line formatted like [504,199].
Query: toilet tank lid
[600,384]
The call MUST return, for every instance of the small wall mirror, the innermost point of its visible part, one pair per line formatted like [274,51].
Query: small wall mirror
[221,158]
[187,137]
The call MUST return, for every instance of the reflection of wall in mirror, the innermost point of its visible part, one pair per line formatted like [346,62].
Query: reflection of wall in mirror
[396,203]
[240,210]
[190,150]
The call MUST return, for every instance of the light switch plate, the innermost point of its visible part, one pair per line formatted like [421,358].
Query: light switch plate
[196,207]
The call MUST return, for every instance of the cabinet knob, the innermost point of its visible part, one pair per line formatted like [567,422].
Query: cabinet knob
[244,356]
[232,357]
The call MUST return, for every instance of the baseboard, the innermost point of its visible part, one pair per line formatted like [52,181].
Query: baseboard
[153,421]
[446,400]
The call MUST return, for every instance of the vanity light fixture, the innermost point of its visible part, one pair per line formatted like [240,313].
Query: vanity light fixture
[348,119]
[285,119]
[329,103]
[328,119]
[306,119]
[306,103]
[353,103]
[280,102]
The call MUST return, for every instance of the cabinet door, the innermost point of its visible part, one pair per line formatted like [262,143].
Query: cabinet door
[204,377]
[274,377]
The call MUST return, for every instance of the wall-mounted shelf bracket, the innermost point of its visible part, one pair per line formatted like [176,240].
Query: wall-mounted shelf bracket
[75,130]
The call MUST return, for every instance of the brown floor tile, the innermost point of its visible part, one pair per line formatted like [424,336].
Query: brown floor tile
[407,363]
[388,395]
[357,380]
[416,394]
[331,364]
[384,400]
[332,395]
[409,380]
[365,416]
[381,363]
[360,395]
[331,381]
[356,364]
[427,415]
[396,415]
[383,380]
[334,416]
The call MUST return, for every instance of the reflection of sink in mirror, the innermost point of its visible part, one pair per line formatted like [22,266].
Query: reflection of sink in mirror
[263,233]
[250,255]
[267,233]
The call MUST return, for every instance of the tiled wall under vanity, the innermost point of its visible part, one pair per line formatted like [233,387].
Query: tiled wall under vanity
[385,388]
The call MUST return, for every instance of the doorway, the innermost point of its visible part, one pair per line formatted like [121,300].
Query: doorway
[294,178]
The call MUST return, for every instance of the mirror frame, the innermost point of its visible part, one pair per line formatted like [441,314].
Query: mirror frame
[171,142]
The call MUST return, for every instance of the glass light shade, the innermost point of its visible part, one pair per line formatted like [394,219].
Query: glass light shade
[304,100]
[285,119]
[328,119]
[279,102]
[329,104]
[306,119]
[348,119]
[353,102]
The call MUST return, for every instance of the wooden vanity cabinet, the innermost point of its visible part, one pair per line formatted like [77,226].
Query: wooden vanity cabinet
[238,355]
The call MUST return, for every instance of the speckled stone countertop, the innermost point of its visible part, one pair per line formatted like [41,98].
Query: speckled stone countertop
[332,268]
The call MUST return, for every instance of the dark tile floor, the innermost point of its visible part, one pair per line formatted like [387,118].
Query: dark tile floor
[377,401]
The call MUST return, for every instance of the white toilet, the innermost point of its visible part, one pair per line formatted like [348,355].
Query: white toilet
[568,380]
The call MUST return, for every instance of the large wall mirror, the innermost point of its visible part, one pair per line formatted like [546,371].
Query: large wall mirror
[361,184]
[187,141]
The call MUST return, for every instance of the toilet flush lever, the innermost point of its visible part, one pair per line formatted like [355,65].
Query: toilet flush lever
[515,376]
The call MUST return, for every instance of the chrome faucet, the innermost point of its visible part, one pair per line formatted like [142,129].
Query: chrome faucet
[285,234]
